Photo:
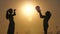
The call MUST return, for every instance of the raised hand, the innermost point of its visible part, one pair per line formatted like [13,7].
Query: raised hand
[14,9]
[14,12]
[39,11]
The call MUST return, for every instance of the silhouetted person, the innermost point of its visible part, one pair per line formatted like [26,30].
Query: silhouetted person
[46,18]
[9,16]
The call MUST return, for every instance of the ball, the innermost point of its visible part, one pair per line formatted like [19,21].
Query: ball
[38,8]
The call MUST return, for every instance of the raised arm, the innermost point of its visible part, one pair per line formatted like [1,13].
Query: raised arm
[14,12]
[41,16]
[39,11]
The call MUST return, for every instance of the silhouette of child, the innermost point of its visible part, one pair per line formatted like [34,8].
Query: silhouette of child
[46,18]
[9,15]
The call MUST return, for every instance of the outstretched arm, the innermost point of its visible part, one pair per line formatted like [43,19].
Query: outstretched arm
[39,11]
[14,12]
[41,16]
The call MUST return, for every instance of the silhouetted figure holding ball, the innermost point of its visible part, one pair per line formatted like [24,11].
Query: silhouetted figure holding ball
[46,18]
[9,16]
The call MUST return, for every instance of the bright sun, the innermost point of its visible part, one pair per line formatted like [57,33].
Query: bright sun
[28,11]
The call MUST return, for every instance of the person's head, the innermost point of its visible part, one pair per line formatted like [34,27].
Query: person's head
[37,8]
[48,13]
[10,10]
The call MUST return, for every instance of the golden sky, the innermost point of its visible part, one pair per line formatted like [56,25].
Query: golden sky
[30,21]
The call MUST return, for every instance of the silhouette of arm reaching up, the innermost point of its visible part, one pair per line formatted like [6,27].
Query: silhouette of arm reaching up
[41,16]
[14,12]
[39,11]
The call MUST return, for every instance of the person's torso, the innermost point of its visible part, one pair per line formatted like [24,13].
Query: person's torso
[46,19]
[11,17]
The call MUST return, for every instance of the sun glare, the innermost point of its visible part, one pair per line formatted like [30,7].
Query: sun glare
[28,10]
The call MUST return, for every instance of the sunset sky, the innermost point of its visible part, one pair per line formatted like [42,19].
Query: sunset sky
[27,18]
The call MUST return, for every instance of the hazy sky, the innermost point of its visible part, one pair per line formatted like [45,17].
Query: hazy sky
[22,24]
